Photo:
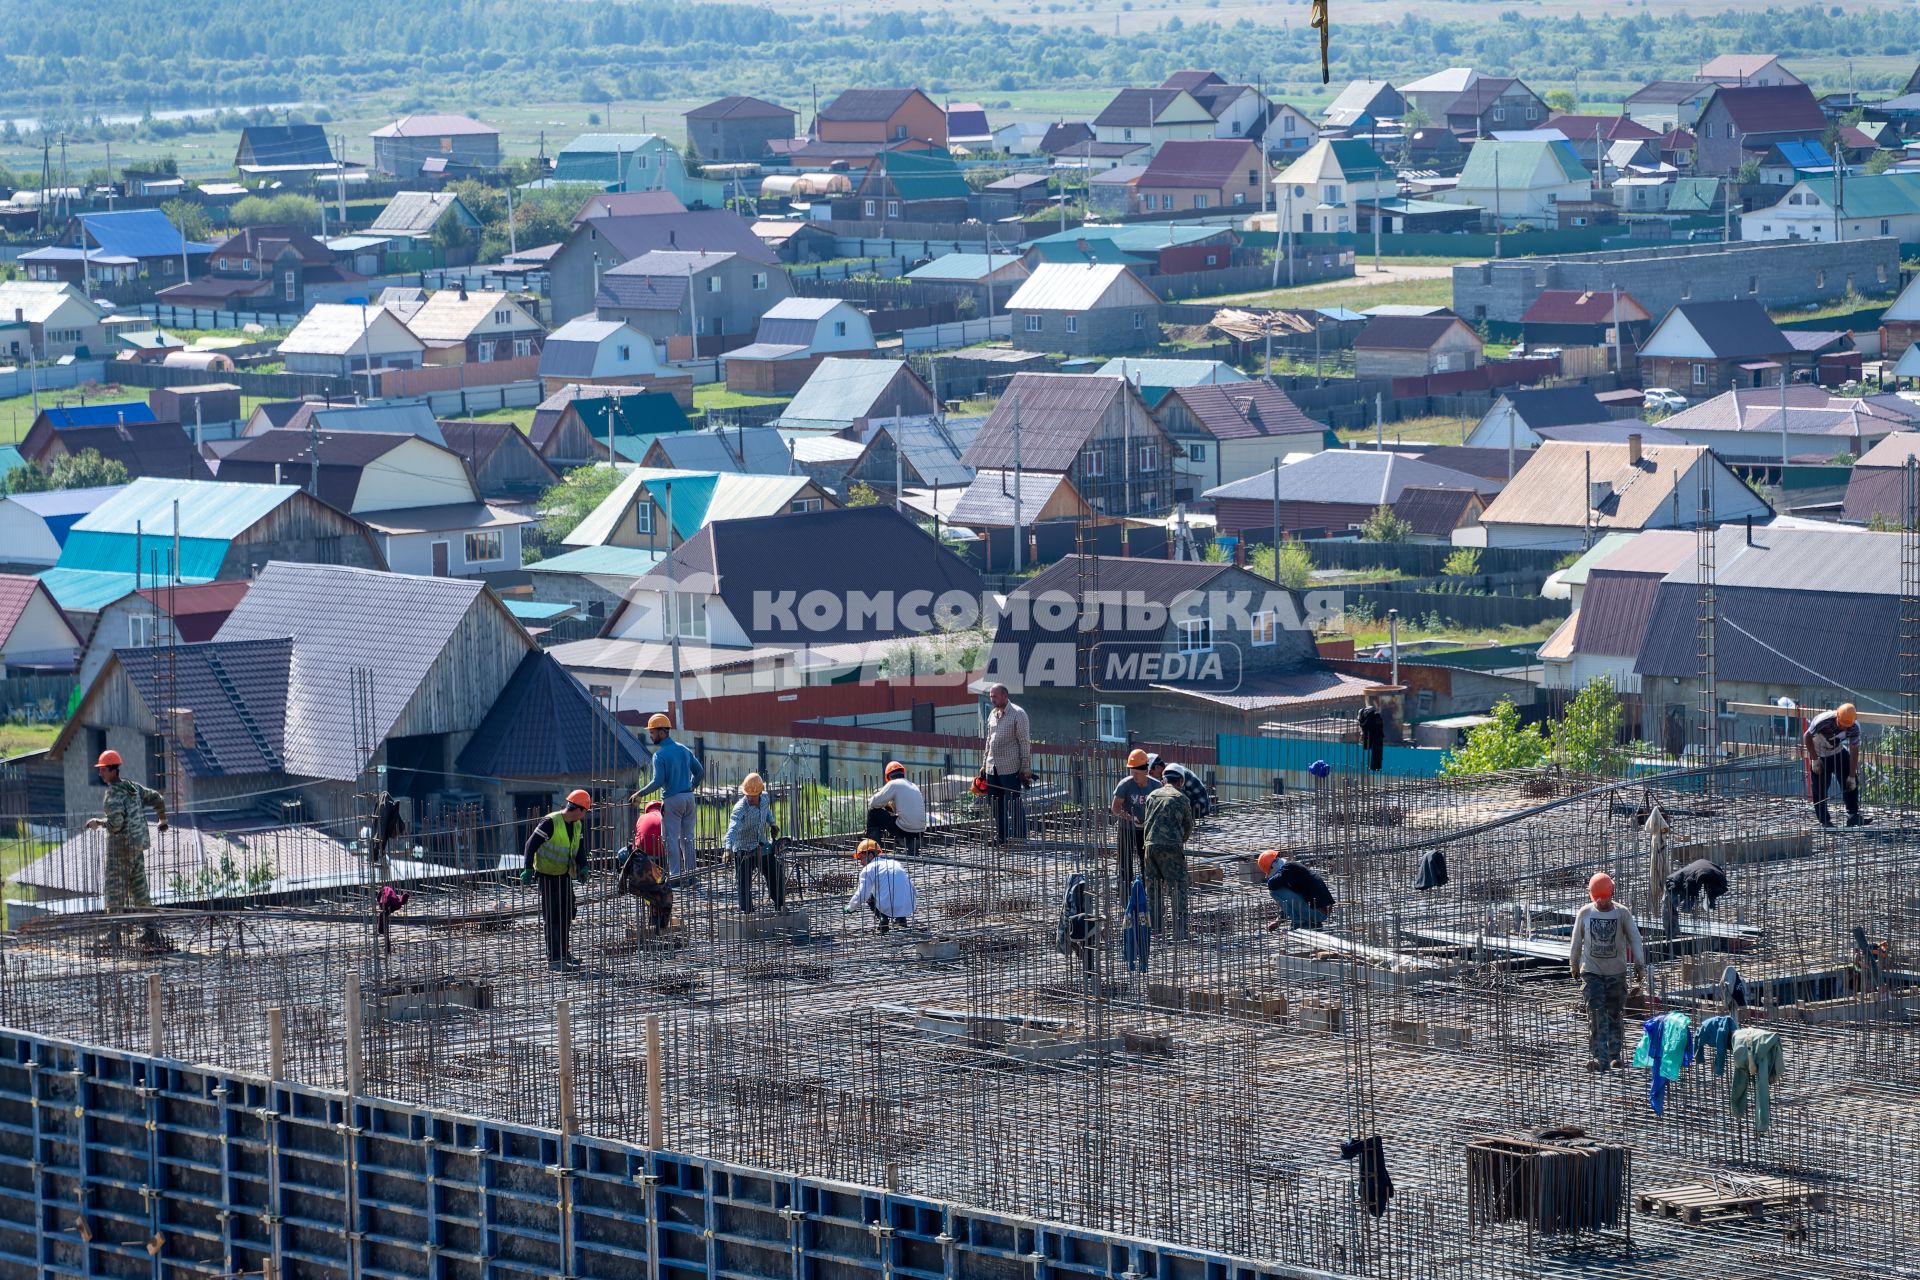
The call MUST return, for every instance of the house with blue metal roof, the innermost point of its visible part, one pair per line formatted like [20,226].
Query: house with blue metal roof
[153,532]
[126,247]
[34,526]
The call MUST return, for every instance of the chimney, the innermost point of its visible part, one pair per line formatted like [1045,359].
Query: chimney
[1633,448]
[671,240]
[19,315]
[463,291]
[1749,528]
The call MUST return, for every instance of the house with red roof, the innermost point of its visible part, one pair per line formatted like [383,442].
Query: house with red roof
[1584,317]
[1741,121]
[1201,173]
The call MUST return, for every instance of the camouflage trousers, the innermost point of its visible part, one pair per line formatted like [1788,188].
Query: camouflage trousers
[1606,995]
[1167,886]
[126,877]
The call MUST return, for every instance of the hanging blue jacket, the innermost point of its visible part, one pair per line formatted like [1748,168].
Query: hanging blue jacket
[1718,1033]
[1667,1042]
[1138,939]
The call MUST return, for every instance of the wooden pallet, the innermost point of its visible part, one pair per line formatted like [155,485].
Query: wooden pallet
[1728,1199]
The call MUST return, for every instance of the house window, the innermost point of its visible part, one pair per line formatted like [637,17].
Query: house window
[759,280]
[643,517]
[1196,453]
[246,264]
[140,630]
[1265,629]
[893,208]
[1200,202]
[1499,114]
[1113,722]
[1149,457]
[1073,324]
[1033,323]
[1699,375]
[1753,284]
[523,346]
[713,284]
[1880,273]
[1533,112]
[292,285]
[1196,636]
[484,545]
[1213,259]
[1886,226]
[871,208]
[800,506]
[1126,135]
[839,328]
[899,133]
[1819,279]
[1286,124]
[1253,177]
[1139,319]
[96,743]
[1239,197]
[1096,462]
[693,617]
[626,354]
[1330,193]
[222,264]
[503,316]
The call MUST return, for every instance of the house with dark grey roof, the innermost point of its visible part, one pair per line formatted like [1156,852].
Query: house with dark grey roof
[995,499]
[1516,418]
[1667,105]
[1436,513]
[737,128]
[1329,492]
[596,245]
[1415,346]
[1152,117]
[284,148]
[1229,430]
[161,450]
[507,469]
[1704,348]
[746,450]
[880,116]
[455,146]
[920,453]
[671,294]
[1095,430]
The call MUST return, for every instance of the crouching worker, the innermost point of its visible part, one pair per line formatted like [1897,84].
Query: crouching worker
[1304,900]
[643,872]
[885,887]
[898,810]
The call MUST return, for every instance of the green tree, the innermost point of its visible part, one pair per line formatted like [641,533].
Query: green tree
[1215,553]
[25,478]
[85,470]
[277,211]
[862,494]
[1384,526]
[190,218]
[1501,743]
[1749,172]
[1295,567]
[1464,562]
[1586,737]
[1562,100]
[1879,162]
[563,506]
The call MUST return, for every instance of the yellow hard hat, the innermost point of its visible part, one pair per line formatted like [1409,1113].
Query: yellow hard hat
[752,785]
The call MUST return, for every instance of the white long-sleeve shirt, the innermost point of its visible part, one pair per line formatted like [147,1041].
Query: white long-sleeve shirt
[908,805]
[886,882]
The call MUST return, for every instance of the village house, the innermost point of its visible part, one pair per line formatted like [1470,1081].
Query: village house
[671,295]
[1748,426]
[737,128]
[507,469]
[1519,182]
[656,509]
[1518,418]
[435,144]
[1737,122]
[635,163]
[1492,104]
[36,638]
[1229,430]
[1431,95]
[606,353]
[881,115]
[1084,310]
[158,616]
[136,249]
[262,268]
[1210,173]
[1881,204]
[343,339]
[1750,70]
[1095,430]
[794,337]
[1704,348]
[1567,494]
[34,526]
[581,423]
[1323,189]
[1667,105]
[1329,492]
[426,220]
[989,279]
[458,327]
[1152,118]
[915,453]
[1584,317]
[284,149]
[1394,346]
[914,186]
[598,244]
[45,320]
[1361,106]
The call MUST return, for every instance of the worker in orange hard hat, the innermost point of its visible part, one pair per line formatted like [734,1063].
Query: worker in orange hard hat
[1606,947]
[885,887]
[676,775]
[1831,746]
[556,858]
[1303,897]
[124,816]
[898,809]
[1129,808]
[750,846]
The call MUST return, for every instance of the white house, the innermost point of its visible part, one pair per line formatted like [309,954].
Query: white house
[480,326]
[590,350]
[341,338]
[1322,189]
[1882,204]
[1152,116]
[45,320]
[34,633]
[1568,493]
[1289,132]
[1520,181]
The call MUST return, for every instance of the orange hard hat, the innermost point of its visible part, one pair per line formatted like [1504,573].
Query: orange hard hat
[107,758]
[579,799]
[658,720]
[866,847]
[1136,759]
[1846,714]
[893,767]
[1267,860]
[1600,888]
[752,785]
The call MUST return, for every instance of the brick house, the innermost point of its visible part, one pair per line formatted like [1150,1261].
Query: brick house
[1084,310]
[881,115]
[737,128]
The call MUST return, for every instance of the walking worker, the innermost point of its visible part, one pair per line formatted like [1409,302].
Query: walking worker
[557,858]
[1165,830]
[1130,811]
[1007,764]
[749,842]
[1831,745]
[885,887]
[676,773]
[1606,945]
[124,815]
[1302,896]
[898,809]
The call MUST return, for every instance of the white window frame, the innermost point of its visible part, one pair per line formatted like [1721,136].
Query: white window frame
[1149,457]
[141,630]
[1699,375]
[626,354]
[1096,462]
[713,284]
[1196,635]
[1265,631]
[522,347]
[692,621]
[1112,720]
[893,208]
[643,516]
[870,207]
[801,506]
[1196,453]
[1073,324]
[1033,322]
[1139,319]
[759,280]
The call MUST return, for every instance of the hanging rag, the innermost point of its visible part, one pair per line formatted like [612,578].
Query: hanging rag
[1665,1048]
[1717,1034]
[1320,20]
[1073,935]
[1756,1061]
[1699,878]
[386,902]
[1733,989]
[1138,940]
[387,825]
[1433,870]
[1373,735]
[1376,1188]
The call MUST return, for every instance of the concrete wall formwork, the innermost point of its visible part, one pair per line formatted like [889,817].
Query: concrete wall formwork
[116,1164]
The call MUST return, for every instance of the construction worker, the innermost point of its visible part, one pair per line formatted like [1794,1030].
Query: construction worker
[1165,828]
[1192,787]
[1606,945]
[898,809]
[556,857]
[124,815]
[676,774]
[1129,808]
[749,844]
[885,887]
[643,872]
[1831,745]
[1302,896]
[1006,763]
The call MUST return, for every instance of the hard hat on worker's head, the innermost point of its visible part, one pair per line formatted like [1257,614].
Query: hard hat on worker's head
[1175,771]
[653,805]
[1154,761]
[752,785]
[1267,860]
[658,720]
[108,759]
[1600,888]
[1846,714]
[894,767]
[868,848]
[1136,759]
[578,799]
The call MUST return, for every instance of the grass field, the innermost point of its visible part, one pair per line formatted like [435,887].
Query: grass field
[714,395]
[16,414]
[1432,430]
[521,418]
[18,738]
[1437,291]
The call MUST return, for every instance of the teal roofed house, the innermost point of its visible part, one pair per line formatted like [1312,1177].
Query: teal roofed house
[1156,378]
[636,514]
[635,162]
[1881,204]
[920,186]
[1158,246]
[1519,182]
[225,531]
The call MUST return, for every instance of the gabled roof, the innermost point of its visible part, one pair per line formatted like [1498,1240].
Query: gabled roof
[967,120]
[343,455]
[757,450]
[433,126]
[988,501]
[1146,372]
[1734,329]
[1138,108]
[451,315]
[1344,159]
[714,230]
[1799,153]
[1482,94]
[1735,66]
[104,413]
[969,267]
[1451,80]
[1579,128]
[341,329]
[38,300]
[842,391]
[1551,489]
[739,107]
[699,497]
[933,449]
[922,175]
[157,449]
[237,691]
[1520,165]
[197,611]
[1059,413]
[478,442]
[1066,135]
[414,213]
[17,591]
[1811,410]
[592,398]
[866,105]
[1245,410]
[267,242]
[545,724]
[134,233]
[286,144]
[1435,512]
[626,204]
[1349,477]
[397,419]
[1774,108]
[1582,306]
[1668,91]
[1359,96]
[1556,407]
[1407,333]
[1062,286]
[1201,162]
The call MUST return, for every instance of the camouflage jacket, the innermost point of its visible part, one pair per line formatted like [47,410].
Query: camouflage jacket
[1169,818]
[125,811]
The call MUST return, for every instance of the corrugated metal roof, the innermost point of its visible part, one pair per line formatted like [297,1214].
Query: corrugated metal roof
[1614,611]
[1576,573]
[765,453]
[99,414]
[1808,639]
[449,317]
[1434,511]
[988,500]
[91,590]
[545,724]
[966,266]
[208,508]
[1246,410]
[1171,373]
[1353,477]
[433,126]
[1058,413]
[340,329]
[629,562]
[16,593]
[414,213]
[134,233]
[38,300]
[1551,489]
[841,390]
[1062,286]
[933,449]
[1651,551]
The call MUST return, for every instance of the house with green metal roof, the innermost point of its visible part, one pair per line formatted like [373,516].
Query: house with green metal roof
[635,162]
[1881,204]
[1323,189]
[1519,182]
[1154,379]
[221,531]
[914,186]
[653,509]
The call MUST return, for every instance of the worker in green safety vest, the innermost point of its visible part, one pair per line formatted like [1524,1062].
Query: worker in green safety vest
[556,858]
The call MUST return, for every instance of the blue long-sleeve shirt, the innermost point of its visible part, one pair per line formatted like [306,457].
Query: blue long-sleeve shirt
[676,770]
[750,825]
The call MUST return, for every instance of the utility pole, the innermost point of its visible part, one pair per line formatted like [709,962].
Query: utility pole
[1783,429]
[513,239]
[898,465]
[673,612]
[1016,484]
[1496,203]
[313,447]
